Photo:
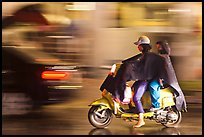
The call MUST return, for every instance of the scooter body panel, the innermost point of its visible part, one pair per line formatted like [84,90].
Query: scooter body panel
[166,98]
[102,102]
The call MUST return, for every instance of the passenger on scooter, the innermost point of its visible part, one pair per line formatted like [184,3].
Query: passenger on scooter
[155,85]
[164,51]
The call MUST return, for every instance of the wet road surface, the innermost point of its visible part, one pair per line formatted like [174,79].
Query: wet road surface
[70,118]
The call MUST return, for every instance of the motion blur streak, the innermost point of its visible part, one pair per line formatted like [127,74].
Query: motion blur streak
[85,39]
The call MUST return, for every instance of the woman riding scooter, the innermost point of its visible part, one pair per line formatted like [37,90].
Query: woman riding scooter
[140,86]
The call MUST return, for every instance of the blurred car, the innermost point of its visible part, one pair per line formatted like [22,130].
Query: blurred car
[32,78]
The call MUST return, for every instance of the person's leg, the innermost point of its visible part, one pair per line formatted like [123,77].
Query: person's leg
[139,91]
[140,122]
[154,87]
[140,88]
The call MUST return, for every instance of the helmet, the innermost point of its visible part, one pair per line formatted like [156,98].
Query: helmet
[142,40]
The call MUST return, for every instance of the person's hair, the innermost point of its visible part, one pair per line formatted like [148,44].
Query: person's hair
[146,47]
[165,47]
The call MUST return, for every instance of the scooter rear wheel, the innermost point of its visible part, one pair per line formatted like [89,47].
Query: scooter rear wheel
[177,121]
[99,118]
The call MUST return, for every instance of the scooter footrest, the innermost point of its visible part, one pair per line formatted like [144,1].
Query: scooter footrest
[126,115]
[148,114]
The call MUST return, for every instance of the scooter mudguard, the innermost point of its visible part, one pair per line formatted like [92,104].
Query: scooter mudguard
[101,102]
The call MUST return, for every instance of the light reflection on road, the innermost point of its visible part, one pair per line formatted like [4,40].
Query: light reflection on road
[71,118]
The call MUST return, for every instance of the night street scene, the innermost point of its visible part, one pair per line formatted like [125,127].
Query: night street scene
[101,68]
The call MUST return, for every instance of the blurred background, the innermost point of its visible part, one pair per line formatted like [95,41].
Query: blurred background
[94,35]
[52,50]
[97,34]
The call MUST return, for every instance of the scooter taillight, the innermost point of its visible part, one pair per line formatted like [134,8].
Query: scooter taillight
[54,75]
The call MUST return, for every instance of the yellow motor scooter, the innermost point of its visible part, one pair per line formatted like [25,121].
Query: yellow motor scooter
[102,110]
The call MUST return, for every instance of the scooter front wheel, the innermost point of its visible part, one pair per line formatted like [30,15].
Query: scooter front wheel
[99,118]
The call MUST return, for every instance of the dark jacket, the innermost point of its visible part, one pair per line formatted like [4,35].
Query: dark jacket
[173,82]
[146,66]
[164,51]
